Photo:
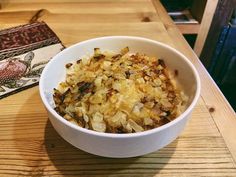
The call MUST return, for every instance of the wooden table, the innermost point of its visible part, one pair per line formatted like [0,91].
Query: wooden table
[30,146]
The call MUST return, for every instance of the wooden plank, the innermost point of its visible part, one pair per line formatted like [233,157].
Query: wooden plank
[205,25]
[93,7]
[188,28]
[56,157]
[50,17]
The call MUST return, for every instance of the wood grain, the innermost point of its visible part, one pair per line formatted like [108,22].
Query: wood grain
[30,146]
[205,25]
[188,28]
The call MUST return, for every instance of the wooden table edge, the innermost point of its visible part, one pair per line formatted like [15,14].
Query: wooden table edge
[218,106]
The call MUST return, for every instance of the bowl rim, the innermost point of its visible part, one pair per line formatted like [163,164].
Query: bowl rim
[125,135]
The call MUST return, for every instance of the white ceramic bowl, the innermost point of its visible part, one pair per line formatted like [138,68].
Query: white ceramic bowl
[119,145]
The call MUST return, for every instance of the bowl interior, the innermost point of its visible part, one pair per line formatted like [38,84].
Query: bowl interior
[55,70]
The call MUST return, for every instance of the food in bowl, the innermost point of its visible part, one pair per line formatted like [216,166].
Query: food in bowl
[119,93]
[120,145]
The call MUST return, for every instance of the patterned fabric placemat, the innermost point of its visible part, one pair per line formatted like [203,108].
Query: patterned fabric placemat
[24,52]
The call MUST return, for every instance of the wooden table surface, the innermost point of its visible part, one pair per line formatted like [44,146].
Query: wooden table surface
[29,146]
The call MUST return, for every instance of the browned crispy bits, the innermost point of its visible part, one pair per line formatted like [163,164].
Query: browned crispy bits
[85,87]
[98,55]
[127,74]
[78,61]
[124,51]
[116,57]
[119,93]
[68,65]
[161,62]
